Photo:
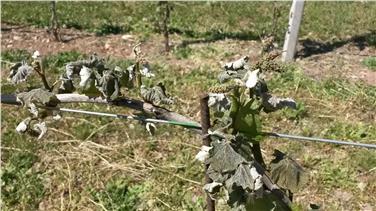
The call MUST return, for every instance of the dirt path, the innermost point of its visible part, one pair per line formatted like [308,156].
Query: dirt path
[343,62]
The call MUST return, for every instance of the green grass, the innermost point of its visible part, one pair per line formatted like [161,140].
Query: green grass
[214,20]
[370,62]
[118,195]
[21,186]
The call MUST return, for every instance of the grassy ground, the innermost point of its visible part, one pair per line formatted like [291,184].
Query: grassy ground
[88,163]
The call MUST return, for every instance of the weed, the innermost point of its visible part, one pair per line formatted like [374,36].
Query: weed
[21,186]
[370,62]
[183,52]
[15,55]
[119,195]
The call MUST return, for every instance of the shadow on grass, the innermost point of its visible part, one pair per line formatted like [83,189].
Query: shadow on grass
[312,47]
[212,36]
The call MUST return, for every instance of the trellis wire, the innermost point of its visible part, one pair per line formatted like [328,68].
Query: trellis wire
[196,126]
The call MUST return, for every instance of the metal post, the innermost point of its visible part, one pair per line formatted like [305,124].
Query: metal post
[205,124]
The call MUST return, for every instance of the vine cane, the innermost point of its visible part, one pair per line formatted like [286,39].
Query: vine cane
[205,124]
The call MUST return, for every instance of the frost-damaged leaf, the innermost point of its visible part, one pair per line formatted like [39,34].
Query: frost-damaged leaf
[258,184]
[286,172]
[219,101]
[203,154]
[238,64]
[38,97]
[88,83]
[146,71]
[19,72]
[213,187]
[66,85]
[74,68]
[109,85]
[85,75]
[242,178]
[225,159]
[41,129]
[251,78]
[271,103]
[151,128]
[217,176]
[156,95]
[36,55]
[131,70]
[23,126]
[124,76]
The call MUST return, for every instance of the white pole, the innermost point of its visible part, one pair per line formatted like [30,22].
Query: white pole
[291,37]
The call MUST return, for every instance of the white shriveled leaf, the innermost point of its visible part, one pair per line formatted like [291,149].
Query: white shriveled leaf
[257,177]
[85,75]
[251,78]
[219,101]
[41,129]
[213,187]
[272,103]
[23,126]
[131,71]
[56,117]
[88,83]
[203,154]
[146,71]
[238,64]
[19,72]
[151,128]
[36,55]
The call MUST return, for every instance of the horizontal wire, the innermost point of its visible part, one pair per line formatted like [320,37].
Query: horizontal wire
[192,125]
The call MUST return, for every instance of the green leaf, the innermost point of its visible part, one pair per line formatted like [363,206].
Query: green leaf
[245,115]
[286,172]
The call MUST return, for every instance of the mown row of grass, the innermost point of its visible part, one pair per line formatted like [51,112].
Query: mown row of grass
[212,20]
[97,162]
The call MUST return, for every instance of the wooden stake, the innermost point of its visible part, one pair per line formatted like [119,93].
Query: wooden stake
[205,125]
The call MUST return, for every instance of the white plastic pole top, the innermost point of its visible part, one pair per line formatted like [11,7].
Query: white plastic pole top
[292,32]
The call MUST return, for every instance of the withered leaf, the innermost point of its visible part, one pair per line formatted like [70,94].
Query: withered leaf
[242,178]
[225,159]
[38,97]
[271,103]
[156,95]
[19,72]
[286,172]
